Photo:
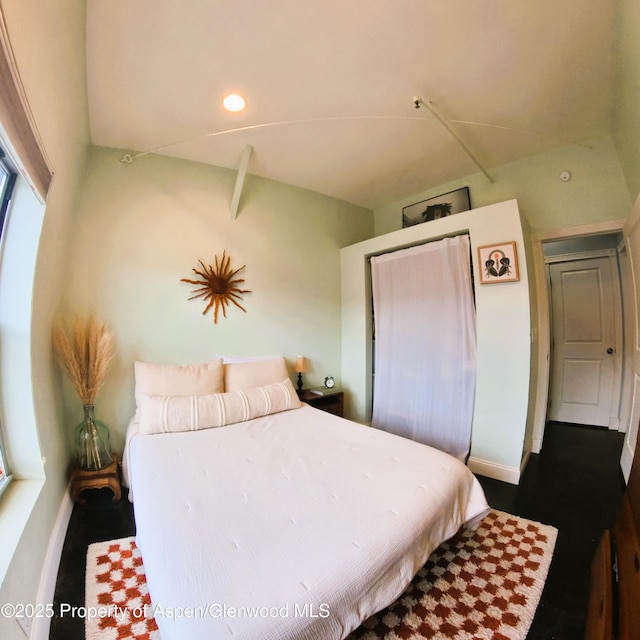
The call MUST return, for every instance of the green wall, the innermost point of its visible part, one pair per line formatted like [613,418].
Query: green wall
[141,227]
[626,117]
[596,192]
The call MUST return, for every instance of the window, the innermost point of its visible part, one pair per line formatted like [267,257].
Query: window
[8,175]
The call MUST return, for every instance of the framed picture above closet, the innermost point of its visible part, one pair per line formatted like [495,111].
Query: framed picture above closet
[438,207]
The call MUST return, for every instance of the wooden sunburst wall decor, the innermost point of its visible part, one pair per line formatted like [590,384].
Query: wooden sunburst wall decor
[218,285]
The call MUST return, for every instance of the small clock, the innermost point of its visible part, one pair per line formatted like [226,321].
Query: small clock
[329,382]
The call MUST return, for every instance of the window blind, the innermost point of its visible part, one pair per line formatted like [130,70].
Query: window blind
[18,122]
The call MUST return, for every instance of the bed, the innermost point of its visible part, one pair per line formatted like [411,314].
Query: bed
[261,518]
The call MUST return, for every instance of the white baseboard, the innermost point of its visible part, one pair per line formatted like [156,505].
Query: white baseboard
[46,590]
[494,470]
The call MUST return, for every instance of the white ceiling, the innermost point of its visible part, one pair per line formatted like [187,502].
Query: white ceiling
[330,85]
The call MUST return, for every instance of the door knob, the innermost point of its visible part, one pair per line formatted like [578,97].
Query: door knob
[611,350]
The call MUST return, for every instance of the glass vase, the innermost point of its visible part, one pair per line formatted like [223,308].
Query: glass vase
[93,451]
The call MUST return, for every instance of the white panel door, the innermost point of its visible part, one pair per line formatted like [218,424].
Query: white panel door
[587,356]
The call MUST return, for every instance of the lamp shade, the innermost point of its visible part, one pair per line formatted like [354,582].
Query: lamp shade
[301,365]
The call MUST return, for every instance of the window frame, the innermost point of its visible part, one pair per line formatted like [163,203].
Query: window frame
[8,177]
[6,187]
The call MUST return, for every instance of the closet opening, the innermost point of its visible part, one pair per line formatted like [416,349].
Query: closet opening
[424,343]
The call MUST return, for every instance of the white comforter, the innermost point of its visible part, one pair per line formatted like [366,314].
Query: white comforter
[297,525]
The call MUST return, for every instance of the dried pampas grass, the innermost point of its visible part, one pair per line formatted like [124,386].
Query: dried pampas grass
[85,355]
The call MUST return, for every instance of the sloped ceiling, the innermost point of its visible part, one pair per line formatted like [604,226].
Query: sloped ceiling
[330,85]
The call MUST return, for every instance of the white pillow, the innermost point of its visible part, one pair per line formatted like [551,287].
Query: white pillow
[247,375]
[178,380]
[170,414]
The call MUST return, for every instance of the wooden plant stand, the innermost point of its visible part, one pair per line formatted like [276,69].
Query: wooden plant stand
[82,479]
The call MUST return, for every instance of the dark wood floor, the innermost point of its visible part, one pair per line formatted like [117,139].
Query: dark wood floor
[575,484]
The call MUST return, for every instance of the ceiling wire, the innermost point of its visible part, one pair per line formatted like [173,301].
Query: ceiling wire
[128,158]
[527,131]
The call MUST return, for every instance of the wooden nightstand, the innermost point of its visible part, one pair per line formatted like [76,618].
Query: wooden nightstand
[331,401]
[107,477]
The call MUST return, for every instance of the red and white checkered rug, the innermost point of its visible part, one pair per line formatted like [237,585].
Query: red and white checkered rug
[482,585]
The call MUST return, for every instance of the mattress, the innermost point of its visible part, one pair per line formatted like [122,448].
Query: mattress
[297,525]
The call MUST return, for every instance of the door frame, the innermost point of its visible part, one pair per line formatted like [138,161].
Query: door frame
[618,326]
[541,331]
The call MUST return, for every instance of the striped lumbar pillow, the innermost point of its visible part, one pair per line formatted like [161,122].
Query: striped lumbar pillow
[168,414]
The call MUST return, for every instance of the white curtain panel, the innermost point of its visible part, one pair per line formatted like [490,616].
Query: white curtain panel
[425,344]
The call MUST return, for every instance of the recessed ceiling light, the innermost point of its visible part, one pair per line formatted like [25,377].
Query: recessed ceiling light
[233,102]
